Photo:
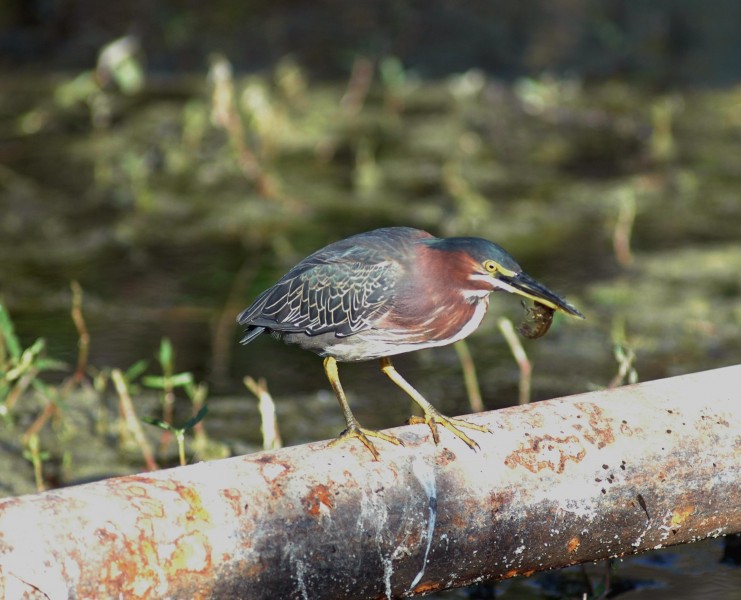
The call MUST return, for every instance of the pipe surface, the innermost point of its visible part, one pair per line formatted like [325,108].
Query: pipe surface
[558,482]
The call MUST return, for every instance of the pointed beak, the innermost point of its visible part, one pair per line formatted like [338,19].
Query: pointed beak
[526,286]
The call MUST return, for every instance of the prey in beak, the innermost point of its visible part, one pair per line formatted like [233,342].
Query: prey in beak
[524,285]
[546,302]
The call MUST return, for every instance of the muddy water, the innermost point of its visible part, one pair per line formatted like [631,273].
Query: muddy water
[151,212]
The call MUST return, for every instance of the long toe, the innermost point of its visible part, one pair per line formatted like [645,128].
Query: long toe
[433,419]
[363,434]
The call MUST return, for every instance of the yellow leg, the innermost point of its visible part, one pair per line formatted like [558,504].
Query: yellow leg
[354,430]
[432,417]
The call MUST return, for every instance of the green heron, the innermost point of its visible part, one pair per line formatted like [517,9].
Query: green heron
[385,292]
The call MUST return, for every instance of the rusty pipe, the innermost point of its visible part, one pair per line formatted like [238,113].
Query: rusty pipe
[558,482]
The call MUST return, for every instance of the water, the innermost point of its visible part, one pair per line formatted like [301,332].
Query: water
[155,219]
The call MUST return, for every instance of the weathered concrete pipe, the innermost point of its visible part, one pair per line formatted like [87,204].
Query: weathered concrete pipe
[558,482]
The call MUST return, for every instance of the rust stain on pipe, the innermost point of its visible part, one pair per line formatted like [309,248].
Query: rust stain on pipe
[427,587]
[318,499]
[151,561]
[600,431]
[195,509]
[192,553]
[546,452]
[234,498]
[273,470]
[680,515]
[445,457]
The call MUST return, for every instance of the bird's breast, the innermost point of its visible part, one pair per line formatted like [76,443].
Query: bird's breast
[435,322]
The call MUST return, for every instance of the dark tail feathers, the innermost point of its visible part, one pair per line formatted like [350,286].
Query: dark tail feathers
[251,333]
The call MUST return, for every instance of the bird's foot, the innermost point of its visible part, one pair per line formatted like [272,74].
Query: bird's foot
[434,418]
[363,434]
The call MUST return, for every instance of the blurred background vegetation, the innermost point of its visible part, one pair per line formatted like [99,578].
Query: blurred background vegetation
[161,163]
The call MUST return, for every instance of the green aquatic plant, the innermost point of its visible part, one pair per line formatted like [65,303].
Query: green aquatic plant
[20,368]
[179,430]
[167,383]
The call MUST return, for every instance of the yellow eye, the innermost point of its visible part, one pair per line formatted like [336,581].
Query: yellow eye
[491,266]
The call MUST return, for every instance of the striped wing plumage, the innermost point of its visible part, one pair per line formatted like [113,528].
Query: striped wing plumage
[336,294]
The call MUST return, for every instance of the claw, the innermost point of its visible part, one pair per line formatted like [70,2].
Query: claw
[363,434]
[433,418]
